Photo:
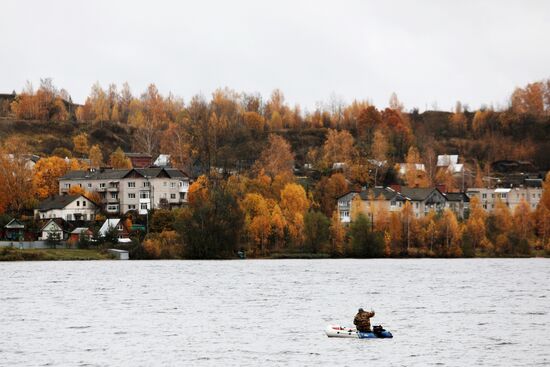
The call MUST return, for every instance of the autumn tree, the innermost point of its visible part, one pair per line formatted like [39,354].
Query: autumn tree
[542,214]
[47,171]
[118,160]
[523,226]
[338,147]
[294,204]
[96,156]
[475,228]
[175,141]
[368,120]
[328,190]
[337,236]
[451,231]
[80,143]
[276,158]
[500,227]
[257,221]
[16,184]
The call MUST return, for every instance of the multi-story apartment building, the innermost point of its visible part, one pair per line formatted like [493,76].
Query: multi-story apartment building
[123,190]
[422,200]
[510,196]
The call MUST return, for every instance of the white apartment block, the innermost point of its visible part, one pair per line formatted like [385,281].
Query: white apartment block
[510,196]
[123,190]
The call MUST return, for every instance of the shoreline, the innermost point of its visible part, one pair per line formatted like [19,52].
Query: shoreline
[13,254]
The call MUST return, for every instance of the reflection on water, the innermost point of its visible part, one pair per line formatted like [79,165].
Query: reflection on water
[483,312]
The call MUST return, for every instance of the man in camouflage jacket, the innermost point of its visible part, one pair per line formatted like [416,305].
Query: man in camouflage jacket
[362,320]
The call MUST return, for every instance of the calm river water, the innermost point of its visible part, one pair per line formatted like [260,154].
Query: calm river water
[482,312]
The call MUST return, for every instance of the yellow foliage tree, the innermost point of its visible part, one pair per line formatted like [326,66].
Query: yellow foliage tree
[276,158]
[294,204]
[337,235]
[96,156]
[80,143]
[118,160]
[47,171]
[475,225]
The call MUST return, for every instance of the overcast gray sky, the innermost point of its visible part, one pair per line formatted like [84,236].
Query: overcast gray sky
[426,51]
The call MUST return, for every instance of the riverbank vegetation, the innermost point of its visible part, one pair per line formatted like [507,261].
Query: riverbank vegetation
[13,254]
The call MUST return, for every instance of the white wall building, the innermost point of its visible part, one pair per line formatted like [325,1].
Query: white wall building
[510,196]
[68,207]
[123,190]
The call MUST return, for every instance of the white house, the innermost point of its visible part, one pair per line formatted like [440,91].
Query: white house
[120,227]
[53,230]
[68,207]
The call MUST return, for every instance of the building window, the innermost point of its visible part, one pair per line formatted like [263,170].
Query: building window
[114,195]
[112,208]
[493,196]
[131,196]
[416,205]
[77,203]
[392,203]
[146,184]
[144,206]
[83,202]
[484,196]
[131,184]
[484,206]
[67,185]
[131,207]
[89,185]
[503,195]
[172,196]
[144,195]
[102,185]
[172,184]
[345,213]
[69,217]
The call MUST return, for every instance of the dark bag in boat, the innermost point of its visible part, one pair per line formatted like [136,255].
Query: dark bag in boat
[378,329]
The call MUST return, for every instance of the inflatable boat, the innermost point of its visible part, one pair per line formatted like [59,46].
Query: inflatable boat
[336,331]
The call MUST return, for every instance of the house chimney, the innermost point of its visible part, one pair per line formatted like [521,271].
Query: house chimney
[442,188]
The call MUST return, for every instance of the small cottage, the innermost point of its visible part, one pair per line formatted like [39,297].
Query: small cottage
[15,230]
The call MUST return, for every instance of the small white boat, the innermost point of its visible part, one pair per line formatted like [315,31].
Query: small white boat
[337,331]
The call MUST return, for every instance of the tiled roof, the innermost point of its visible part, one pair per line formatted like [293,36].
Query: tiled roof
[457,196]
[376,192]
[417,193]
[118,174]
[14,224]
[57,202]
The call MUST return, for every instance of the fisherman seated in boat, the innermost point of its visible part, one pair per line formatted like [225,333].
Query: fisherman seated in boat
[362,320]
